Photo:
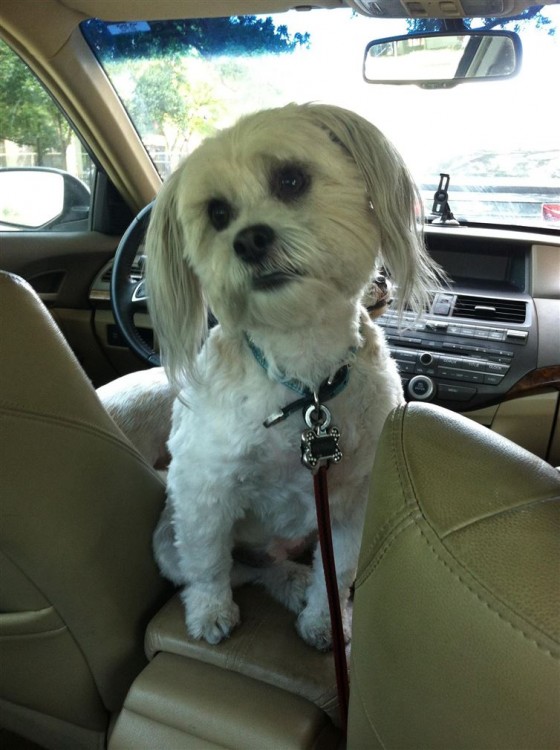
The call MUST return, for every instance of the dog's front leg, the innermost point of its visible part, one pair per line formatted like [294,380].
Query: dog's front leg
[204,549]
[314,624]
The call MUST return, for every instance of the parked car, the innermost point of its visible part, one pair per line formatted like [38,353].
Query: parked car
[517,186]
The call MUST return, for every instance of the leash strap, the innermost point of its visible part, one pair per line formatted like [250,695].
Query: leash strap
[319,447]
[320,486]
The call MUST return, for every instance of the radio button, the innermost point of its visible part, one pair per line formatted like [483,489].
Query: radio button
[467,376]
[496,335]
[473,364]
[421,370]
[493,379]
[405,354]
[442,305]
[499,360]
[405,366]
[455,392]
[497,369]
[436,325]
[426,358]
[421,387]
[517,335]
[475,377]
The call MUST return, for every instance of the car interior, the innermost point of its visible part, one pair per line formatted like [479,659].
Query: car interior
[456,614]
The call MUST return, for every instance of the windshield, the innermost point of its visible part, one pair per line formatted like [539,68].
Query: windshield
[498,141]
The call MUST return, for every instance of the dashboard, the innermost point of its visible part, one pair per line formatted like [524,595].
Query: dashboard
[491,333]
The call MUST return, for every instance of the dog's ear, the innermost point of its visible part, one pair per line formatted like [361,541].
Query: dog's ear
[175,300]
[394,199]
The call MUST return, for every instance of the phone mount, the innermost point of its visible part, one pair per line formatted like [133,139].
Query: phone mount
[440,209]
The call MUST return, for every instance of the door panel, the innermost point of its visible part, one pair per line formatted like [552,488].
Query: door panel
[61,268]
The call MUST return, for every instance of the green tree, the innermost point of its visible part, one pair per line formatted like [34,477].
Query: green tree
[417,26]
[28,116]
[174,75]
[167,101]
[208,36]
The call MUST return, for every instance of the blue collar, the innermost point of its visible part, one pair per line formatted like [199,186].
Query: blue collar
[329,388]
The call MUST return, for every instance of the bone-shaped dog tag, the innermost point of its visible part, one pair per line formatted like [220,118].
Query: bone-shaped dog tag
[321,446]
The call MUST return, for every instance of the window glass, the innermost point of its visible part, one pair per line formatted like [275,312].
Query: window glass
[46,175]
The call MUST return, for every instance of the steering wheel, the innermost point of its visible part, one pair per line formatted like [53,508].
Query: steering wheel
[129,295]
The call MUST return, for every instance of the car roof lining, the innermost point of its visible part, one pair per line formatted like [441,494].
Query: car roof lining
[131,10]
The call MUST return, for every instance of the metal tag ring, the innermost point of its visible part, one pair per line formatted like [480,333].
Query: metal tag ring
[321,421]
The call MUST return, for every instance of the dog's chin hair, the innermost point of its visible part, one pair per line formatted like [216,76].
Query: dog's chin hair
[302,304]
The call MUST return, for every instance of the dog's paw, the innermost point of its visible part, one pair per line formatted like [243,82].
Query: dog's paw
[315,628]
[211,622]
[288,583]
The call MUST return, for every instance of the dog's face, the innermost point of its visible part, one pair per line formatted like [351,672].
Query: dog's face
[276,221]
[272,220]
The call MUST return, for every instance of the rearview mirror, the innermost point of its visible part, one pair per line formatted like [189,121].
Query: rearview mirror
[443,60]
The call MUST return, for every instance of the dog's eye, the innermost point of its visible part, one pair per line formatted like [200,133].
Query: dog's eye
[219,213]
[290,182]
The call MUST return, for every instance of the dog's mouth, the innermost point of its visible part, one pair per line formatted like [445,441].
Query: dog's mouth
[267,281]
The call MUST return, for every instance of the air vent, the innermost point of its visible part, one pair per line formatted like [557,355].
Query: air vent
[490,308]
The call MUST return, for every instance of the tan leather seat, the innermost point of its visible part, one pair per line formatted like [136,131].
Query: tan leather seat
[78,507]
[456,613]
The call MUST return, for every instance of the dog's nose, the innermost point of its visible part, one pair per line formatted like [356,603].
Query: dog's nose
[252,243]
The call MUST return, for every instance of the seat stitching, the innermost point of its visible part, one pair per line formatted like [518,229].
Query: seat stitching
[457,576]
[490,515]
[400,511]
[381,533]
[486,603]
[374,563]
[76,424]
[365,708]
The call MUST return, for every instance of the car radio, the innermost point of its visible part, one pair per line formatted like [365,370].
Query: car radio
[461,362]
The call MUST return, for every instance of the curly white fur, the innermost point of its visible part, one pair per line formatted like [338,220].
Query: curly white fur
[336,201]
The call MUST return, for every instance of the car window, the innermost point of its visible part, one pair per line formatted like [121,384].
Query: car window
[498,140]
[46,174]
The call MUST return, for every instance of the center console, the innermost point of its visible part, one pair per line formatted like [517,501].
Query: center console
[479,337]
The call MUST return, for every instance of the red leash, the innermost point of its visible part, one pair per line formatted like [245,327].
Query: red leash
[319,446]
[325,542]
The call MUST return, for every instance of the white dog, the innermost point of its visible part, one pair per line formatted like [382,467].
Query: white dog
[277,225]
